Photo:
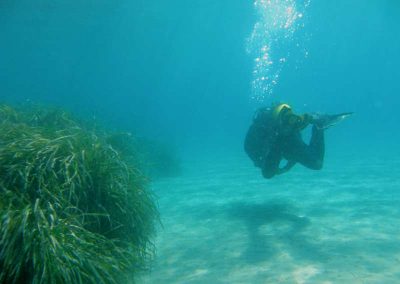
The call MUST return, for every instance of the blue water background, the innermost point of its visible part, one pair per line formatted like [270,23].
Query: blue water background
[178,71]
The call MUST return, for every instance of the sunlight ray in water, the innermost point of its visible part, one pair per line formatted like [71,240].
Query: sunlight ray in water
[269,42]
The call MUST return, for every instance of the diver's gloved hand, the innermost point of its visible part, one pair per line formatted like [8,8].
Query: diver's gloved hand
[307,118]
[295,122]
[318,120]
[303,121]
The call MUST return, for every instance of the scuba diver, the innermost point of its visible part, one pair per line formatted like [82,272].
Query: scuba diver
[275,135]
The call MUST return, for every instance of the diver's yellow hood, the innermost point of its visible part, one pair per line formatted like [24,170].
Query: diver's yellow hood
[277,110]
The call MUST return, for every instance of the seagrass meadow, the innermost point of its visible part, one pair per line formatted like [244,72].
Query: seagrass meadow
[74,207]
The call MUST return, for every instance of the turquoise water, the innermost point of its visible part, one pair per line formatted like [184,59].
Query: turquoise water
[183,72]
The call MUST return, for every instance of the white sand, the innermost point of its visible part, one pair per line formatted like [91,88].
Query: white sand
[223,223]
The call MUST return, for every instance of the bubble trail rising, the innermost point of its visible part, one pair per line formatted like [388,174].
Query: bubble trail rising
[270,41]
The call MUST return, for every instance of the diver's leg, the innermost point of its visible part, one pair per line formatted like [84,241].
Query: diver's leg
[310,156]
[317,146]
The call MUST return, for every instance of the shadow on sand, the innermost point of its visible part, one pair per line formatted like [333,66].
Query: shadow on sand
[273,227]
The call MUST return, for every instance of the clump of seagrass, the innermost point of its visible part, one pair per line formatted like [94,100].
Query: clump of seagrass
[72,209]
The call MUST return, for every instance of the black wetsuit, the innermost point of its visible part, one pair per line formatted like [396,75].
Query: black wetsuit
[267,145]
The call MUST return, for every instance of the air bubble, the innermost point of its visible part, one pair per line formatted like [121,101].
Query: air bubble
[270,40]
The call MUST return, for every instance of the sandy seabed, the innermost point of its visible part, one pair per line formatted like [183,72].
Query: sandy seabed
[224,223]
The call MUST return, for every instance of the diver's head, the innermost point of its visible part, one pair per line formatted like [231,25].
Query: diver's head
[288,120]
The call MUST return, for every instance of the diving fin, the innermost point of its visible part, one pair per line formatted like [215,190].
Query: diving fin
[324,121]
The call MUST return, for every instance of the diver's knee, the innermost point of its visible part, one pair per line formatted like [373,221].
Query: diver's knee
[317,165]
[268,174]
